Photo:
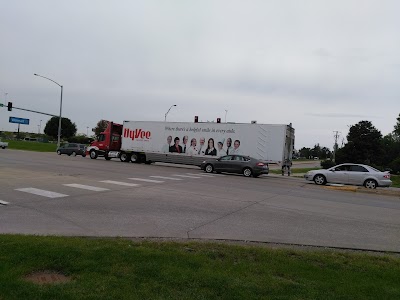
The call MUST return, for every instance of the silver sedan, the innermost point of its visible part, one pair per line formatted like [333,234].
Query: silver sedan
[355,174]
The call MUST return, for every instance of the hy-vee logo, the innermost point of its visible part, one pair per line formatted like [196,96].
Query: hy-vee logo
[136,134]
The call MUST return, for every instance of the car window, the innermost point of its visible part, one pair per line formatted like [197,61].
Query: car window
[82,146]
[225,158]
[342,168]
[72,146]
[246,158]
[238,158]
[356,168]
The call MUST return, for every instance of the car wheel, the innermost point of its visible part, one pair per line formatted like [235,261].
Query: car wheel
[3,147]
[83,155]
[73,153]
[59,152]
[209,168]
[370,184]
[93,154]
[319,179]
[247,172]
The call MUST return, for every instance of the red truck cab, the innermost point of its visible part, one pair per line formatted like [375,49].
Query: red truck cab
[107,143]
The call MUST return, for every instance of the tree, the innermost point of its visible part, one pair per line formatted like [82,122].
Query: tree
[305,152]
[100,127]
[364,145]
[68,128]
[396,131]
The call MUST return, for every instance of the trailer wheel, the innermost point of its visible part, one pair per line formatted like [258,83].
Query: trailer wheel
[93,154]
[134,158]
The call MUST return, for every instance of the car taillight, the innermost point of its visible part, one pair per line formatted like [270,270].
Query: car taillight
[387,176]
[260,164]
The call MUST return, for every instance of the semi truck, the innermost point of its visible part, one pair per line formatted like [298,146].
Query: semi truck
[190,143]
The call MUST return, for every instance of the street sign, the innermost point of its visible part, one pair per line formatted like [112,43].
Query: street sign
[19,120]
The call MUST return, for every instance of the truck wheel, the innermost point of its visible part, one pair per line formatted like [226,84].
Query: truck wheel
[106,156]
[247,172]
[124,157]
[209,168]
[93,154]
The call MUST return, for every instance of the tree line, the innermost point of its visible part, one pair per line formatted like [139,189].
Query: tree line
[365,145]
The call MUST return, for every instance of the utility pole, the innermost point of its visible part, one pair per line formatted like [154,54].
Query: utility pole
[336,135]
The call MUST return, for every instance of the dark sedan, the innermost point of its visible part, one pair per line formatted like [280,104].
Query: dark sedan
[72,149]
[245,165]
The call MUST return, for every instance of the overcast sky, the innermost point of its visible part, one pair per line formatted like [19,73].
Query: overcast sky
[320,65]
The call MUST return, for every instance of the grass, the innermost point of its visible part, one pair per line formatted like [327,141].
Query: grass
[395,180]
[123,269]
[32,146]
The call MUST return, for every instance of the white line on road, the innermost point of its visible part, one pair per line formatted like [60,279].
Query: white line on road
[164,177]
[87,187]
[120,183]
[186,176]
[203,175]
[147,180]
[43,193]
[4,202]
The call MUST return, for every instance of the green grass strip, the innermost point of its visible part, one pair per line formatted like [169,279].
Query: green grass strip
[32,146]
[123,269]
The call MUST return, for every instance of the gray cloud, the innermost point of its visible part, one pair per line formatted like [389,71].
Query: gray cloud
[276,62]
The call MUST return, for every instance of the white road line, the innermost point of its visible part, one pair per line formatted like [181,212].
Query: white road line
[4,202]
[203,175]
[147,180]
[164,177]
[186,176]
[43,193]
[87,187]
[120,183]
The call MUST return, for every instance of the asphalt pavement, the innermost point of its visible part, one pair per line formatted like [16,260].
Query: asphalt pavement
[43,193]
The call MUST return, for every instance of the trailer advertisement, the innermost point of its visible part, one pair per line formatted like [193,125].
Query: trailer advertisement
[205,139]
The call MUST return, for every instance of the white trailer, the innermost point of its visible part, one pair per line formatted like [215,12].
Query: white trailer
[190,143]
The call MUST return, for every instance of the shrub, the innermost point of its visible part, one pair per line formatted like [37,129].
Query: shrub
[326,164]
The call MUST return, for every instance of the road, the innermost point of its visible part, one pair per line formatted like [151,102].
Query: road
[43,193]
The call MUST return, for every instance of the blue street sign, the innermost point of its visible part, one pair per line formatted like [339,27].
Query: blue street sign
[19,120]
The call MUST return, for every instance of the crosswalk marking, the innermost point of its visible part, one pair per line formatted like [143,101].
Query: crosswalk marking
[203,175]
[87,187]
[147,180]
[164,177]
[4,202]
[120,183]
[43,193]
[186,176]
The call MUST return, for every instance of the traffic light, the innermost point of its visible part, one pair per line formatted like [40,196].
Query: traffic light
[9,106]
[218,120]
[196,119]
